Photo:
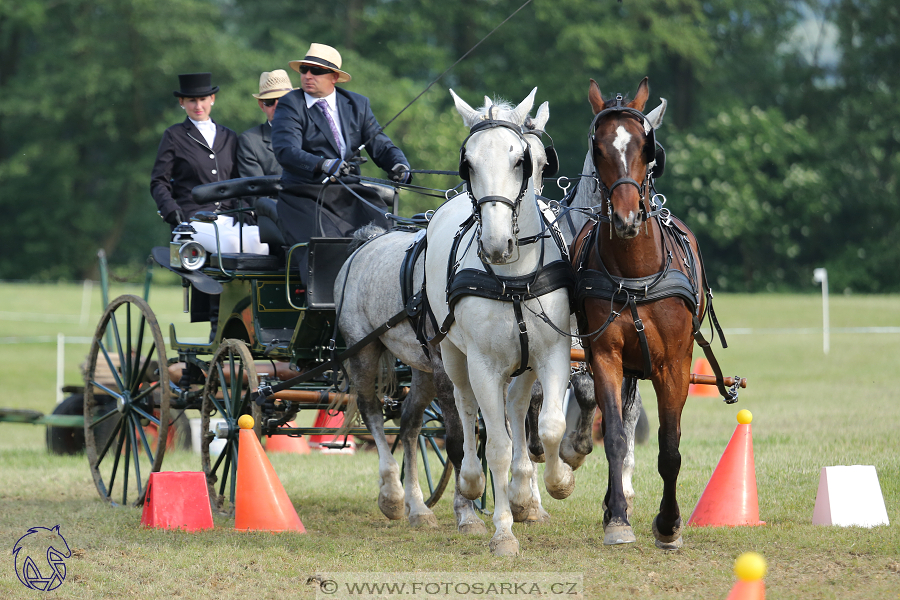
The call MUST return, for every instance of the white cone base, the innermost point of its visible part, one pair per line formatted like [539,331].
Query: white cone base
[849,496]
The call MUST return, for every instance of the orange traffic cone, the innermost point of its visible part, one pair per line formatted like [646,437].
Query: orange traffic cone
[177,501]
[730,496]
[287,444]
[750,569]
[260,502]
[330,443]
[702,367]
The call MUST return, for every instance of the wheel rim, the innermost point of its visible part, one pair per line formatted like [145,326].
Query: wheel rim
[126,401]
[435,466]
[228,398]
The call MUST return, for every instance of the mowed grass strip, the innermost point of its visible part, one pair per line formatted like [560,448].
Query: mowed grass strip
[810,410]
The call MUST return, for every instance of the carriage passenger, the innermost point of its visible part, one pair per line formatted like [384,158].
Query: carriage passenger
[194,152]
[255,157]
[316,134]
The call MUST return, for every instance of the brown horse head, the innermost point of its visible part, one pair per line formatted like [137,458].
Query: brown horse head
[623,148]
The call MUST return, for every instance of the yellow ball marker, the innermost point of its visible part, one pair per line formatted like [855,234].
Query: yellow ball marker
[744,417]
[750,566]
[245,422]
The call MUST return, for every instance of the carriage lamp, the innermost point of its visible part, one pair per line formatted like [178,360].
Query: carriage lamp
[182,234]
[192,255]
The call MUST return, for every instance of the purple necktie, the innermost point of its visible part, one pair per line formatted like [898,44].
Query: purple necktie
[323,105]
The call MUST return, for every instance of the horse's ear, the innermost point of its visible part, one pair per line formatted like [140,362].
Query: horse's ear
[655,116]
[643,94]
[595,97]
[488,102]
[469,115]
[542,116]
[521,112]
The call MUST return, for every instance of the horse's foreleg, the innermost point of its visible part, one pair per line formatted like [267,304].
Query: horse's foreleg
[467,520]
[631,412]
[671,391]
[554,375]
[498,448]
[421,393]
[579,442]
[518,401]
[535,448]
[363,369]
[607,380]
[470,482]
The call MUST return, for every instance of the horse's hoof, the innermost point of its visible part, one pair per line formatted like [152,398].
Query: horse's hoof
[534,513]
[475,527]
[565,487]
[618,532]
[392,509]
[426,520]
[668,542]
[538,458]
[505,547]
[570,456]
[471,490]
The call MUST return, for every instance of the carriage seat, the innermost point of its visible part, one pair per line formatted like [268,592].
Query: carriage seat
[246,262]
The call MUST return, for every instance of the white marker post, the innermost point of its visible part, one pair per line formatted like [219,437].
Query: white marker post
[60,365]
[821,276]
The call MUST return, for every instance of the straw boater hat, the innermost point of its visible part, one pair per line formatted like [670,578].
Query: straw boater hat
[274,84]
[320,55]
[195,85]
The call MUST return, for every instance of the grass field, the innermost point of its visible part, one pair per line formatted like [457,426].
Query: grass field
[810,410]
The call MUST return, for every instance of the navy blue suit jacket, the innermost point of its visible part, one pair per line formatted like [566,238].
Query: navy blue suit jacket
[301,137]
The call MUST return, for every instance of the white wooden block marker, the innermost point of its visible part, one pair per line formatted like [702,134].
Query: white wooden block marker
[849,496]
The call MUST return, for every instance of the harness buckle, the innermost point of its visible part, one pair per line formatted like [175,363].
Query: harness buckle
[330,345]
[639,325]
[263,392]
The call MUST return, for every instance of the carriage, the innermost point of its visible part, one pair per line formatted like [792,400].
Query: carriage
[273,326]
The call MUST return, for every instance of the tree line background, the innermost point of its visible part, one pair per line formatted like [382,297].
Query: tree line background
[781,132]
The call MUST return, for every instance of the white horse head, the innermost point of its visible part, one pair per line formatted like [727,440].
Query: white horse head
[498,174]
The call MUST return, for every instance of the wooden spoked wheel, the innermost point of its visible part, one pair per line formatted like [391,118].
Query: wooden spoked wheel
[435,470]
[230,383]
[126,401]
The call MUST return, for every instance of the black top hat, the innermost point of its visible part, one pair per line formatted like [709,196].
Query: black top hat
[195,85]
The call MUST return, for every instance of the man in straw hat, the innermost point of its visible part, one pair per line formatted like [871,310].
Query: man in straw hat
[316,133]
[255,156]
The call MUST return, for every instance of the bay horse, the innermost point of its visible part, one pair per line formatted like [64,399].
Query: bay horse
[367,294]
[643,263]
[494,278]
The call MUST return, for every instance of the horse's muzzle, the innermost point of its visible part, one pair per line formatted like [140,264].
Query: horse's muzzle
[629,227]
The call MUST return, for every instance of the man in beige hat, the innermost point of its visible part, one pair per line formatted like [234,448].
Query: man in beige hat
[316,134]
[254,152]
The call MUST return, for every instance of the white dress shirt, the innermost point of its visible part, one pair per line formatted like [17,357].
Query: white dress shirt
[207,129]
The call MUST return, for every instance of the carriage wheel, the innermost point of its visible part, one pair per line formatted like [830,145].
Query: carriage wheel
[126,401]
[438,470]
[227,397]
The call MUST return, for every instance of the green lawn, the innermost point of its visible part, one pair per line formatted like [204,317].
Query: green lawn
[810,410]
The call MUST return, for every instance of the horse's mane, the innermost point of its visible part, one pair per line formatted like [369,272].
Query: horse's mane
[364,234]
[499,108]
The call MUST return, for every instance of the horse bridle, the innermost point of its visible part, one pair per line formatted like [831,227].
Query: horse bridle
[491,123]
[653,153]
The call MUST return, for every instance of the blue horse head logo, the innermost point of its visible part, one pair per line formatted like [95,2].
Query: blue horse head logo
[43,544]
